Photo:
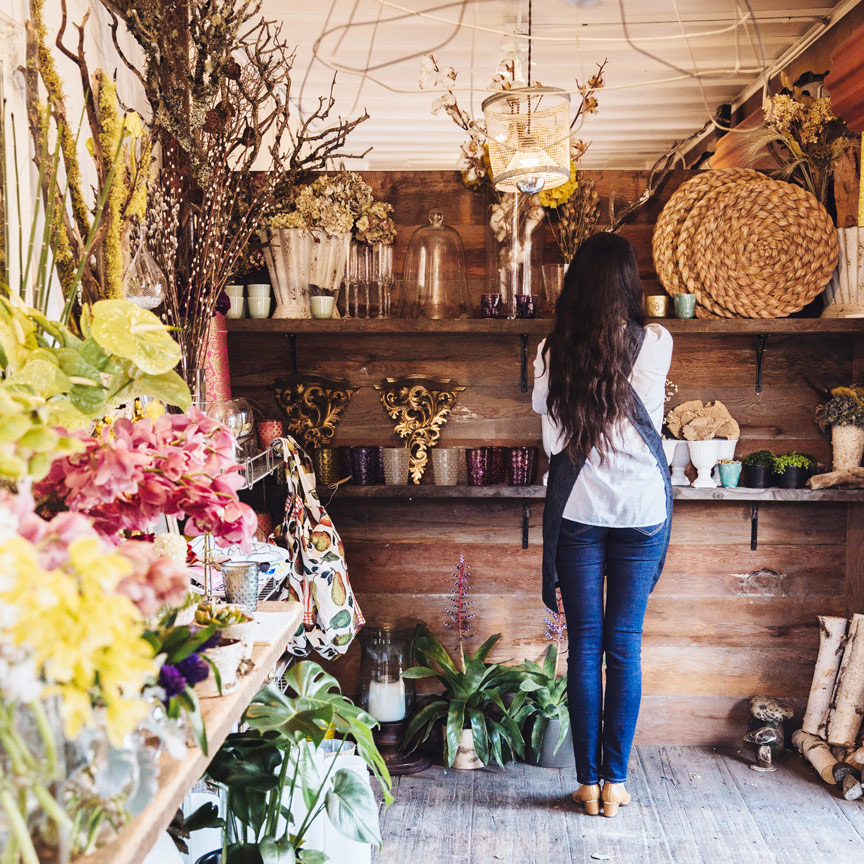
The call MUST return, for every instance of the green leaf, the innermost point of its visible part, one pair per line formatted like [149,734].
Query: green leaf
[309,679]
[529,685]
[277,851]
[550,661]
[419,672]
[206,816]
[538,732]
[352,808]
[188,699]
[168,387]
[136,334]
[312,856]
[428,647]
[453,729]
[486,647]
[41,375]
[478,732]
[426,718]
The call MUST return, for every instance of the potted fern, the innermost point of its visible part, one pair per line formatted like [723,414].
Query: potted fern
[478,726]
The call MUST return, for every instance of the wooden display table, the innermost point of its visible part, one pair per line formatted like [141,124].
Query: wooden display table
[133,843]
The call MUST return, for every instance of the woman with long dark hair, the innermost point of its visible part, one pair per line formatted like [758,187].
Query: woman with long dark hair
[600,384]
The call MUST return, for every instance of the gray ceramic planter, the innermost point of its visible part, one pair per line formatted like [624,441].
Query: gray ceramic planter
[564,757]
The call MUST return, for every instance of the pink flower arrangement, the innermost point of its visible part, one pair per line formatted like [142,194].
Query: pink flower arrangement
[155,581]
[177,465]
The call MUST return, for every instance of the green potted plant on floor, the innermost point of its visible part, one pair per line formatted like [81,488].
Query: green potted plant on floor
[278,783]
[843,413]
[758,469]
[544,717]
[478,726]
[793,470]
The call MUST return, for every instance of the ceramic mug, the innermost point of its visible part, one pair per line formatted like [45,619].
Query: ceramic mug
[235,290]
[238,306]
[258,289]
[322,306]
[730,474]
[685,305]
[259,307]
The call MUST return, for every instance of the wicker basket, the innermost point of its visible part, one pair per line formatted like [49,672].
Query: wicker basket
[762,250]
[227,659]
[675,213]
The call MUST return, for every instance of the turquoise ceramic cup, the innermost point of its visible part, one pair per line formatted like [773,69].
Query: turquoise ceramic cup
[730,474]
[685,305]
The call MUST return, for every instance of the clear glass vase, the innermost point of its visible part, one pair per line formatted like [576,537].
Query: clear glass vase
[515,252]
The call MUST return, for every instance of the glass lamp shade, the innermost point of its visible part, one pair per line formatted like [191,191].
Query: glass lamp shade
[387,651]
[529,138]
[434,275]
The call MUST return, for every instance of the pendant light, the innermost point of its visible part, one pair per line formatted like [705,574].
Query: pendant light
[528,131]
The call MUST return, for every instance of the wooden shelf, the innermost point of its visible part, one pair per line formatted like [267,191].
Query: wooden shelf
[538,326]
[681,493]
[176,778]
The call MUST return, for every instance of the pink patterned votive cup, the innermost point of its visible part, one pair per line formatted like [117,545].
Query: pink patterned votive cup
[478,462]
[268,431]
[522,466]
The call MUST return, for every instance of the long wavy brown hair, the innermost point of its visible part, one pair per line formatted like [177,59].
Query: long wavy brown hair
[588,352]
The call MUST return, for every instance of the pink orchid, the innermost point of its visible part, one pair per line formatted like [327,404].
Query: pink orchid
[155,582]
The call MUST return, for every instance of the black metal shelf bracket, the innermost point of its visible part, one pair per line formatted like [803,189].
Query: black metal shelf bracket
[754,526]
[524,365]
[526,524]
[292,349]
[761,342]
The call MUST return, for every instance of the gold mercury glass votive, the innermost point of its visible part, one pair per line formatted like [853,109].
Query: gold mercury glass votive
[445,465]
[326,462]
[395,466]
[657,305]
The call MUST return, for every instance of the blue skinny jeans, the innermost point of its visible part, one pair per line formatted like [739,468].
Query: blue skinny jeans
[628,558]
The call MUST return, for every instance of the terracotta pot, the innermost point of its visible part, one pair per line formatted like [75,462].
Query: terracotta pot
[848,444]
[466,755]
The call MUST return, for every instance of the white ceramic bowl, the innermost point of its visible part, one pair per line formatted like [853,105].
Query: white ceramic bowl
[259,307]
[322,307]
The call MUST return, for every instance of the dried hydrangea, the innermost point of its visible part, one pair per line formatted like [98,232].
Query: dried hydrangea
[375,225]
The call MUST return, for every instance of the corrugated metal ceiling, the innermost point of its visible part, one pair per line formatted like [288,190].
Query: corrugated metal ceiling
[648,104]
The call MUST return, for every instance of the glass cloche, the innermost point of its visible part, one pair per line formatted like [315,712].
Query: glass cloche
[434,276]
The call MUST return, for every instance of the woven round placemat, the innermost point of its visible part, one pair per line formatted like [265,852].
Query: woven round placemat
[664,242]
[764,250]
[684,255]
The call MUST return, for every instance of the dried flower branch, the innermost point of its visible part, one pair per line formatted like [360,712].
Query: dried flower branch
[576,219]
[459,606]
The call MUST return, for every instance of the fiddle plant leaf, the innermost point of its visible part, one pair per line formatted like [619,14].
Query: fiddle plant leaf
[352,808]
[277,851]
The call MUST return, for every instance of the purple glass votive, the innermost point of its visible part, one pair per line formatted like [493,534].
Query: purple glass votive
[477,460]
[522,466]
[526,305]
[498,465]
[366,465]
[490,305]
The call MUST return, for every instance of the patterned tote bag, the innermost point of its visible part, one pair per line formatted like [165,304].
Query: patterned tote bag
[318,578]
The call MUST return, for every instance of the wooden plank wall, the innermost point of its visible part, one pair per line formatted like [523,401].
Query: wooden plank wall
[724,622]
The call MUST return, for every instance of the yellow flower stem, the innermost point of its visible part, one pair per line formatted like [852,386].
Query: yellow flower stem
[50,805]
[18,829]
[47,733]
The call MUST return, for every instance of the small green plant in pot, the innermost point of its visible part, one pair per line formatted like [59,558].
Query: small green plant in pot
[758,469]
[792,470]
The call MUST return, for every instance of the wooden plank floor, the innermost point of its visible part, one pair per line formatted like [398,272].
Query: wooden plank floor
[691,805]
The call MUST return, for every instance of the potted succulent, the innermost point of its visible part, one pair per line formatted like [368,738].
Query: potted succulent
[545,712]
[758,468]
[730,472]
[843,412]
[793,470]
[478,727]
[279,783]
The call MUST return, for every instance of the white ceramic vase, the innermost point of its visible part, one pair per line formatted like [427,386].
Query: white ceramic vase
[704,456]
[844,294]
[678,457]
[288,253]
[328,262]
[848,445]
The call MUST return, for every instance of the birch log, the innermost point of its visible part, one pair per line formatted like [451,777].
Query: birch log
[847,705]
[817,753]
[832,632]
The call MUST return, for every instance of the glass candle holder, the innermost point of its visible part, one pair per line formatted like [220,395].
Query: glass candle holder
[477,461]
[522,466]
[498,465]
[268,430]
[327,463]
[445,465]
[387,651]
[395,465]
[490,305]
[526,305]
[366,465]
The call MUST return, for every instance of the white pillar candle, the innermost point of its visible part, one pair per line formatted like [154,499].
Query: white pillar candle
[387,699]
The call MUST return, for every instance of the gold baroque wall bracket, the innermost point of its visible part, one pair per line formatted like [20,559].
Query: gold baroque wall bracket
[420,408]
[313,406]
